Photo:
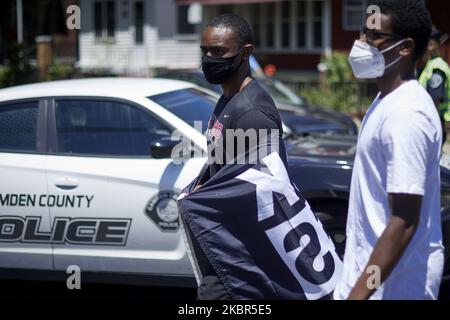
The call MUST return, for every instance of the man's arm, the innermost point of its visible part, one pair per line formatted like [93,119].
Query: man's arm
[392,243]
[436,87]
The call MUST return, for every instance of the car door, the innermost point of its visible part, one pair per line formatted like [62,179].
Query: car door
[25,228]
[116,203]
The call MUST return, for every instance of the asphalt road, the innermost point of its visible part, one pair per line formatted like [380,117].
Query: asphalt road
[39,290]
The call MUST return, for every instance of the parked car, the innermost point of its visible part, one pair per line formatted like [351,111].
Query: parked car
[87,178]
[297,114]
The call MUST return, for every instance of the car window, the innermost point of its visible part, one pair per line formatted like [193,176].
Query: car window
[189,105]
[201,81]
[18,126]
[280,92]
[108,128]
[196,78]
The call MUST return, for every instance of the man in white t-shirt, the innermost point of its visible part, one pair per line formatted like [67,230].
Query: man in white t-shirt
[394,240]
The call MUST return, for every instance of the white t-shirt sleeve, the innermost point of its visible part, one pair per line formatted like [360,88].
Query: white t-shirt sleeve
[408,140]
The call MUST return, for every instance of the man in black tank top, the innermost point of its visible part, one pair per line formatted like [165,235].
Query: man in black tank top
[227,44]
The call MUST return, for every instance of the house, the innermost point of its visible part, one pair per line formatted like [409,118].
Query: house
[139,37]
[136,37]
[38,18]
[294,34]
[132,37]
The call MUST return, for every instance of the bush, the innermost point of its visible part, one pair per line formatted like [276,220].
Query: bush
[338,89]
[60,71]
[98,72]
[17,69]
[3,76]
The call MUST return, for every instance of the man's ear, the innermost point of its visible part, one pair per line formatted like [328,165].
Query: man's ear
[247,51]
[407,48]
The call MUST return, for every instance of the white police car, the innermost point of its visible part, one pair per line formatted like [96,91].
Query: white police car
[86,176]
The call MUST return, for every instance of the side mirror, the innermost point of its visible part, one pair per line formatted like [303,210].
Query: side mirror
[162,148]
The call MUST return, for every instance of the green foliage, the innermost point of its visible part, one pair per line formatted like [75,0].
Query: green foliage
[99,72]
[60,71]
[3,76]
[17,69]
[338,69]
[338,89]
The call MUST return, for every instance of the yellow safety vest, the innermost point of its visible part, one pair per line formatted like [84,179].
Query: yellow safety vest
[438,64]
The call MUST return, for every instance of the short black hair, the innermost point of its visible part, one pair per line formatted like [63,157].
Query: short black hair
[410,19]
[241,28]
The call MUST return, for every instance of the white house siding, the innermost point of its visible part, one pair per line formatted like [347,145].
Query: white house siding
[122,55]
[178,54]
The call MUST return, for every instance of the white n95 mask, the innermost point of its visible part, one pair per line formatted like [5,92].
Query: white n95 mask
[368,62]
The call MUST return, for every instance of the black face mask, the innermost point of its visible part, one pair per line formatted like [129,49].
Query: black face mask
[219,70]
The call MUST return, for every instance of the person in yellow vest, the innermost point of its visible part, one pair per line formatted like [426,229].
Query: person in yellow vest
[435,77]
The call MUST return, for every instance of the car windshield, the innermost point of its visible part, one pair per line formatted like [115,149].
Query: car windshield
[324,145]
[194,77]
[189,105]
[280,91]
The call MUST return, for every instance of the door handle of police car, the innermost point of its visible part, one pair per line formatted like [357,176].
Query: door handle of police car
[67,183]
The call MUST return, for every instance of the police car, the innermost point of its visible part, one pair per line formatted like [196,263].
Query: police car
[86,176]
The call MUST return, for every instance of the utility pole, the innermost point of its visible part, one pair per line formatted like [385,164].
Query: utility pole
[19,11]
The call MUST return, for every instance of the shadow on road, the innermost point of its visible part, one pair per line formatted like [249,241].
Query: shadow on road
[39,290]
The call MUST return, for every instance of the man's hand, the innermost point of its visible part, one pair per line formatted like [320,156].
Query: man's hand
[392,243]
[183,195]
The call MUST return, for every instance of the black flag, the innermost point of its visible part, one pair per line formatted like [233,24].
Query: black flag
[260,235]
